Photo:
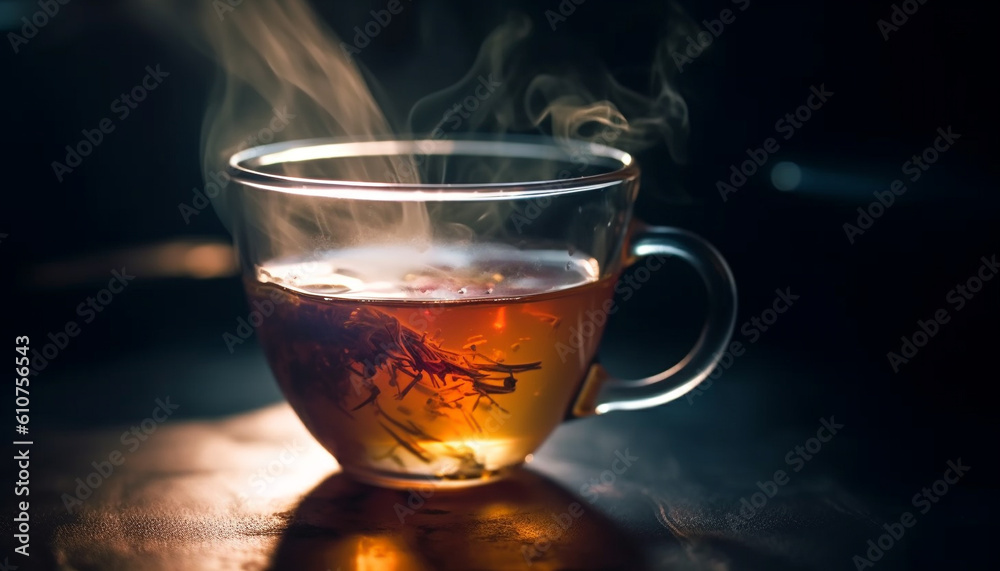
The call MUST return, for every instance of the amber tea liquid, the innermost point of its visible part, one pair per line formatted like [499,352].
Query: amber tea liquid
[449,363]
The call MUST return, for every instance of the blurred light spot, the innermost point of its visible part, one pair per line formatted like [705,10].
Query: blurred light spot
[498,510]
[501,320]
[209,260]
[383,554]
[11,13]
[529,458]
[191,258]
[786,176]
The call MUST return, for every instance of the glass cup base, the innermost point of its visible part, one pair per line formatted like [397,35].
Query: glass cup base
[401,481]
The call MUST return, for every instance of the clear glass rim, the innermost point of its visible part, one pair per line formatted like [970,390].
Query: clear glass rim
[245,167]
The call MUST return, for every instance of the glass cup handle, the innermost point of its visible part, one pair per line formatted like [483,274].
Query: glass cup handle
[602,393]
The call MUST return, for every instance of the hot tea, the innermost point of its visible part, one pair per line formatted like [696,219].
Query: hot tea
[445,362]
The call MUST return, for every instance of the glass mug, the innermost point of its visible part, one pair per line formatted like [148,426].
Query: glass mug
[438,332]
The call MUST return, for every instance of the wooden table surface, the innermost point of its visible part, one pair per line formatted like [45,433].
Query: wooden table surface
[255,491]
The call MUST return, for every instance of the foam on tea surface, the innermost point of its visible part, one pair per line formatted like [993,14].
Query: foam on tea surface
[476,271]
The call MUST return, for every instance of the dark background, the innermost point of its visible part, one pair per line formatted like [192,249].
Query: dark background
[827,355]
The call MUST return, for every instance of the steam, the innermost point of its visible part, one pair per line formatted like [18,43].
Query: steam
[276,57]
[578,101]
